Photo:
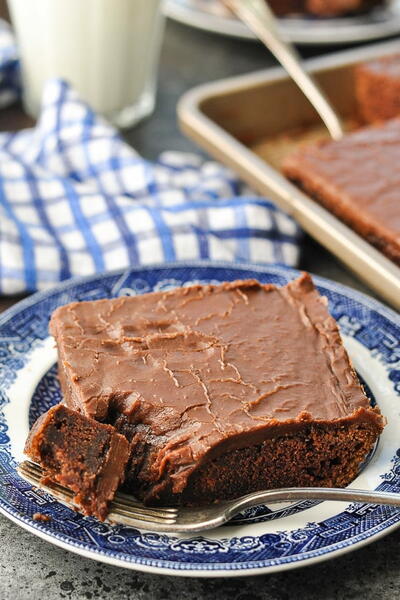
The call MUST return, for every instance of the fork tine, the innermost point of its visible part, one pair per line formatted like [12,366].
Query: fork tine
[61,493]
[140,509]
[145,517]
[126,498]
[35,478]
[31,468]
[27,464]
[139,523]
[126,508]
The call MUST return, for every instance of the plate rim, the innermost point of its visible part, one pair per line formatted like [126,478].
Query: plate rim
[179,570]
[220,25]
[198,569]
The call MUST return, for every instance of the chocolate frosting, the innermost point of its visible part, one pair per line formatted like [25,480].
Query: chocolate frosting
[203,368]
[357,179]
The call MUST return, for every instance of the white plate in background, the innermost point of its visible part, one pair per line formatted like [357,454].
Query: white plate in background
[211,15]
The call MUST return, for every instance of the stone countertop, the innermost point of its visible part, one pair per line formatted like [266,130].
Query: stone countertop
[31,568]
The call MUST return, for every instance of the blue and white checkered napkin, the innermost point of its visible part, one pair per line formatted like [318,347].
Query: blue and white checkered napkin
[75,200]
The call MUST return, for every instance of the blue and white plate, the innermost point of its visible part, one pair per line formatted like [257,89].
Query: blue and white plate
[262,539]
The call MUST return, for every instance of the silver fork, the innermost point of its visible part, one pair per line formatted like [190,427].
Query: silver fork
[125,510]
[260,19]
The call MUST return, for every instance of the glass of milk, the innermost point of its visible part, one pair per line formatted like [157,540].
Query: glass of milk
[107,49]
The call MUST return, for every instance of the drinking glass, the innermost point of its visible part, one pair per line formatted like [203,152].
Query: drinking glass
[107,49]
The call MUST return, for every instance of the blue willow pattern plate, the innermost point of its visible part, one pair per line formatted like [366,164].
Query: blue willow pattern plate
[262,539]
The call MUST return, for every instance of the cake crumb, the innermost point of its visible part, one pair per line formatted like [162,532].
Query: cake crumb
[41,517]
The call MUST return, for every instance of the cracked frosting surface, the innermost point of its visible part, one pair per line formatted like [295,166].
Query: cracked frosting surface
[206,367]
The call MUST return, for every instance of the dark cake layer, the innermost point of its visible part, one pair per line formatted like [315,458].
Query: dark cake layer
[377,85]
[85,456]
[193,375]
[317,455]
[337,8]
[356,178]
[306,453]
[288,7]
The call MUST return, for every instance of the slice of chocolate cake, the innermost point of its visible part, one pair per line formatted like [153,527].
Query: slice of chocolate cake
[357,179]
[377,85]
[322,8]
[81,454]
[220,390]
[338,8]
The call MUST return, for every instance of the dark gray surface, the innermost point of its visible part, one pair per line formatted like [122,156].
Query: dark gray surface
[33,569]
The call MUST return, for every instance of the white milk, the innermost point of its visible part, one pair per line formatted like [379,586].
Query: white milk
[108,50]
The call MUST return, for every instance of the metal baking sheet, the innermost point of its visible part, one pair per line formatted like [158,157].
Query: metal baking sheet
[235,119]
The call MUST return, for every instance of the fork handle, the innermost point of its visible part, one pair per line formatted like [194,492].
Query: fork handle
[260,19]
[294,494]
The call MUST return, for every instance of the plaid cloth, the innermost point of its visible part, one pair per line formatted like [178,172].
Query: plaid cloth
[75,200]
